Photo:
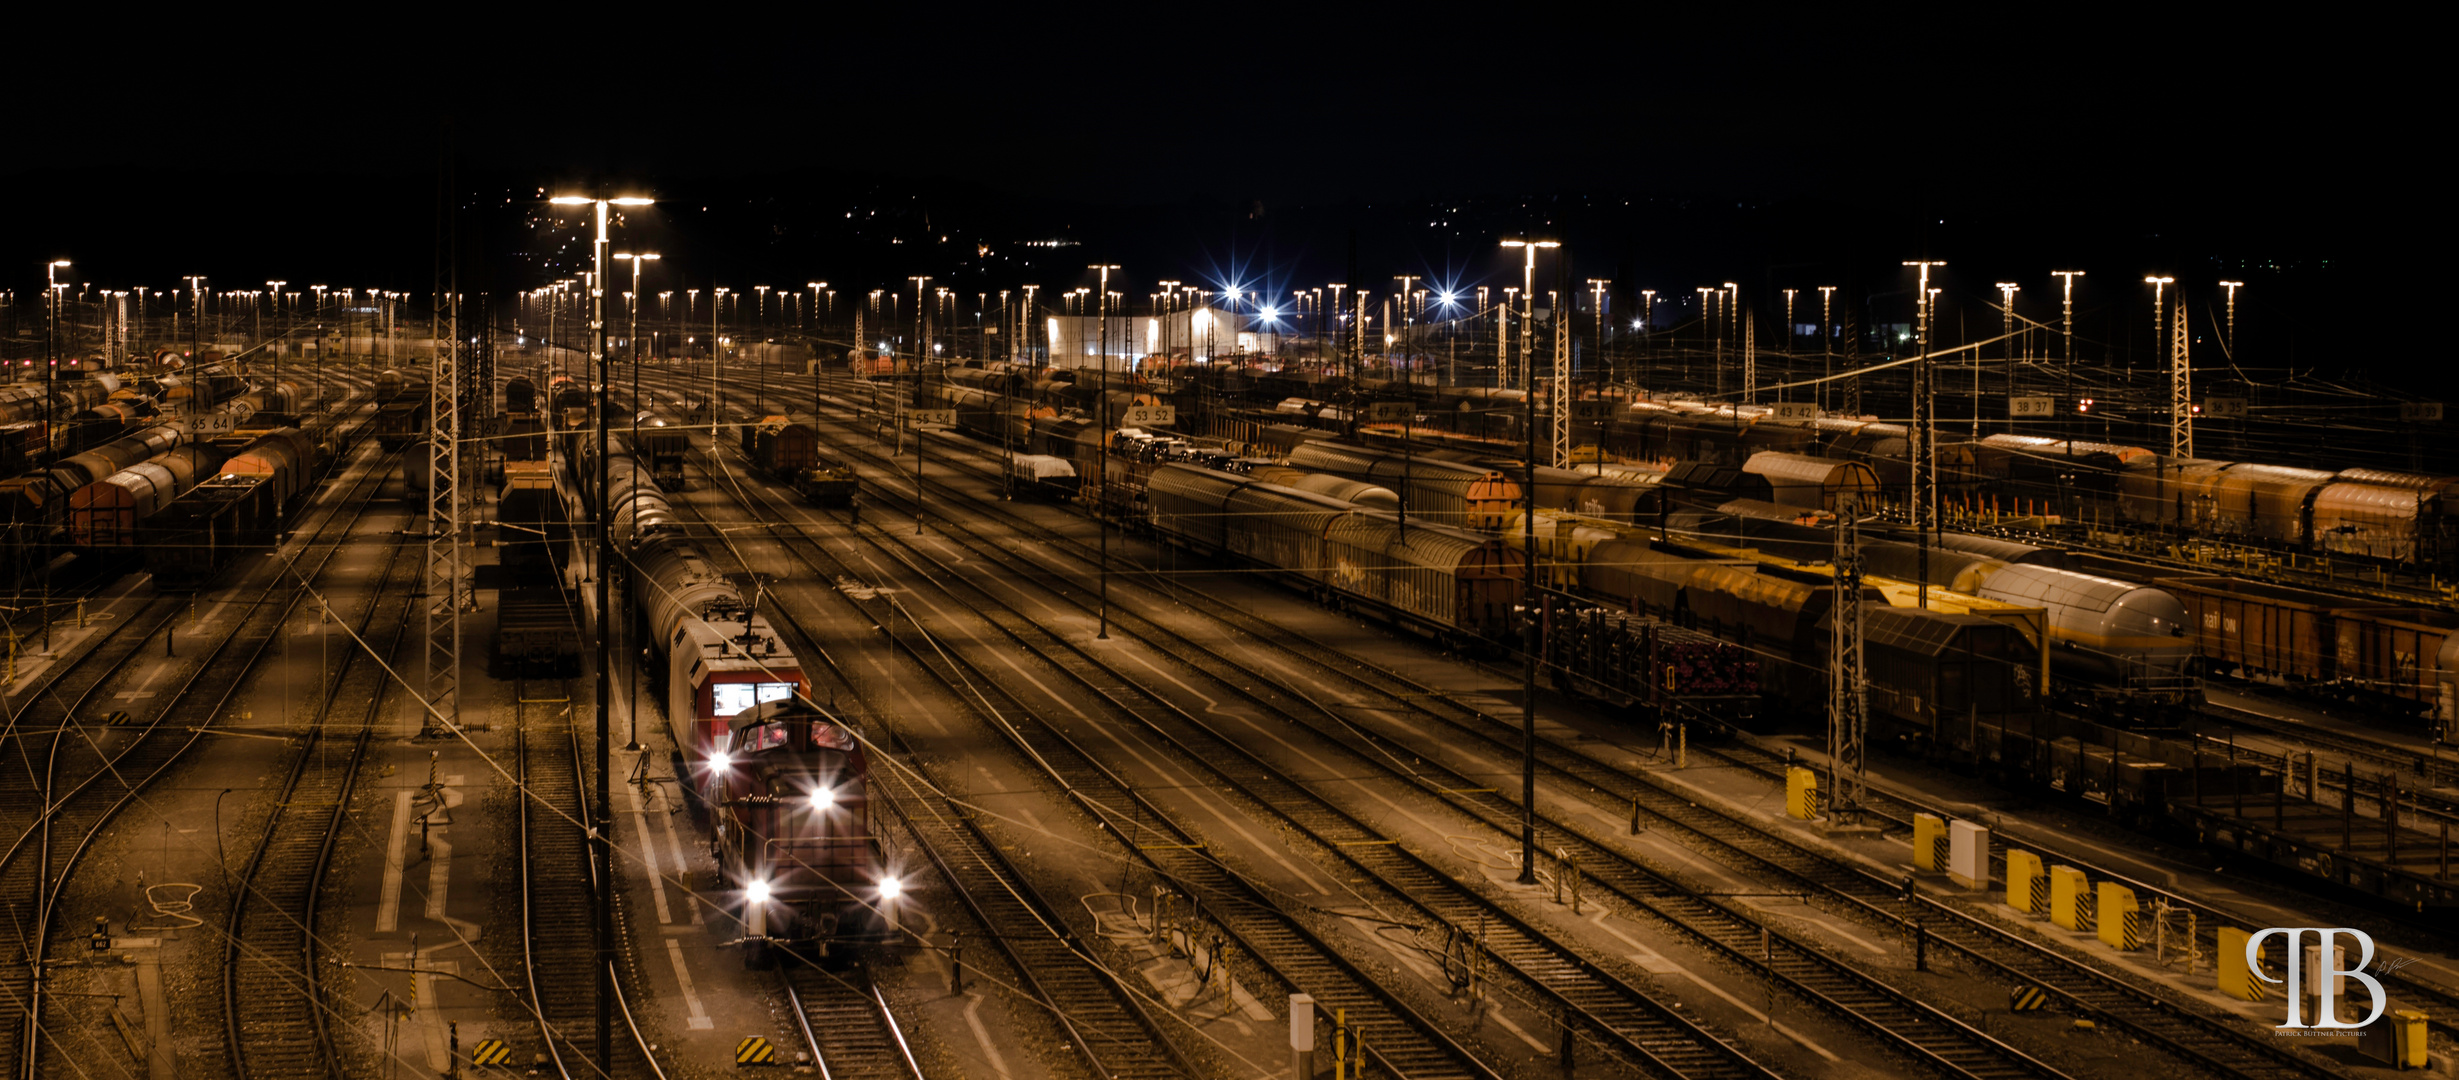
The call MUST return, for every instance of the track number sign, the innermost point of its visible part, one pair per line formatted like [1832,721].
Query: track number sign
[942,417]
[2031,407]
[1796,410]
[213,423]
[2224,406]
[2421,412]
[1149,416]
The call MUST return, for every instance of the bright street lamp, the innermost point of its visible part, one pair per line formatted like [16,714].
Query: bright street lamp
[600,850]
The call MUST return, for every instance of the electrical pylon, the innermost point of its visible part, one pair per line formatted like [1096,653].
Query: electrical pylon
[1847,693]
[2181,388]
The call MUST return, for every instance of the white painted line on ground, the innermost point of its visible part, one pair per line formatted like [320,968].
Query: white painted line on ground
[1649,960]
[990,1050]
[396,854]
[674,843]
[648,856]
[1495,1012]
[691,998]
[1760,1016]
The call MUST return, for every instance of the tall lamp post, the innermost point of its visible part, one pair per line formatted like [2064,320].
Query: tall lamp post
[603,813]
[2006,294]
[55,291]
[717,304]
[2232,287]
[1101,451]
[1528,565]
[1925,434]
[2160,315]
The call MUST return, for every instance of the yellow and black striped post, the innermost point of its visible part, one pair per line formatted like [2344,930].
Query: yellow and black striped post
[2027,999]
[754,1051]
[491,1052]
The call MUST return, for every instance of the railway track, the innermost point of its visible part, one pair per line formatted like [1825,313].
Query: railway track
[1105,1021]
[80,794]
[1410,1043]
[847,1026]
[1896,810]
[2430,769]
[1920,1031]
[275,1018]
[1915,1028]
[559,949]
[2211,1042]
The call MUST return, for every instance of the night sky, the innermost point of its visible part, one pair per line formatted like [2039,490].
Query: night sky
[1266,148]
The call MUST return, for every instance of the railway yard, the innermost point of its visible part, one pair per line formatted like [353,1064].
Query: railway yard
[961,731]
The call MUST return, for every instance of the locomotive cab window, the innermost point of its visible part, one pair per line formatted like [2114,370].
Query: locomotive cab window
[752,740]
[730,698]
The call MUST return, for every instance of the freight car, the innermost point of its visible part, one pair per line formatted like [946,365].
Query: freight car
[402,420]
[189,543]
[1041,476]
[1464,496]
[107,515]
[829,483]
[1637,661]
[666,448]
[261,483]
[524,436]
[784,780]
[1459,587]
[2403,660]
[536,632]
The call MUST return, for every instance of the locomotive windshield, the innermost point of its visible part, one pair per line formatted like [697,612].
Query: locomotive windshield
[731,698]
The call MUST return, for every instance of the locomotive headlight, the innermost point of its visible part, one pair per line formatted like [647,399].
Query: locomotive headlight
[756,892]
[890,888]
[823,798]
[718,761]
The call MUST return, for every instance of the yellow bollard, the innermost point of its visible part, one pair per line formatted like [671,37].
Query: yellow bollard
[1801,793]
[2237,978]
[2121,918]
[2068,907]
[2023,876]
[2408,1039]
[1929,843]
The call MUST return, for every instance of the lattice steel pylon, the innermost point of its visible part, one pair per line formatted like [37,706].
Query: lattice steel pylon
[1847,690]
[1750,358]
[443,593]
[2181,388]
